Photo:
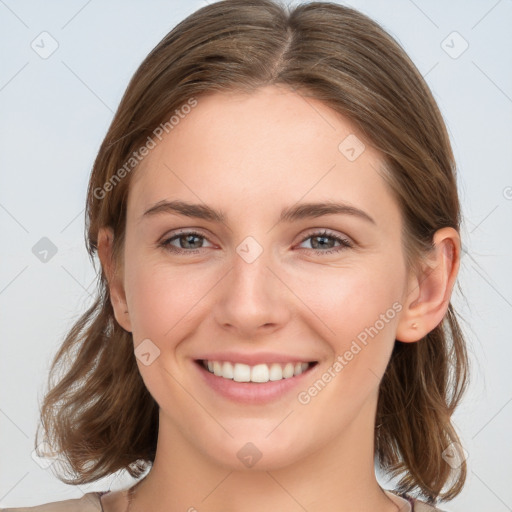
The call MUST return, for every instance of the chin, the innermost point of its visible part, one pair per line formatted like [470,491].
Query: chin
[257,451]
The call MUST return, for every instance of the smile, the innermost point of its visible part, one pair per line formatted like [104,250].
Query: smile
[259,373]
[255,379]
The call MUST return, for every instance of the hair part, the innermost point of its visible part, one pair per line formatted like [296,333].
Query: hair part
[99,415]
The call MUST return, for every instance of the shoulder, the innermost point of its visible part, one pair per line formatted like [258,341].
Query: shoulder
[89,502]
[423,506]
[415,504]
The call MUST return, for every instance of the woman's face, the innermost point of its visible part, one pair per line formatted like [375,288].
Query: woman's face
[270,286]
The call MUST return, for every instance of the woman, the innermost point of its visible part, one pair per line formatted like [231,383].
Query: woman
[308,327]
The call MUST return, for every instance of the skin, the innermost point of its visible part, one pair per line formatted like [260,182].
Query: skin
[251,156]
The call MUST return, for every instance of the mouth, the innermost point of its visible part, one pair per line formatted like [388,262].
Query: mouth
[259,373]
[254,384]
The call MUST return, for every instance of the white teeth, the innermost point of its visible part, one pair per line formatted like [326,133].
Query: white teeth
[259,373]
[240,372]
[227,370]
[288,370]
[217,368]
[276,372]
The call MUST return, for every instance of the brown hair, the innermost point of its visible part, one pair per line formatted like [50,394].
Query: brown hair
[99,415]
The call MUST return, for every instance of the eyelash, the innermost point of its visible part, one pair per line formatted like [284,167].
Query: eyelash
[345,243]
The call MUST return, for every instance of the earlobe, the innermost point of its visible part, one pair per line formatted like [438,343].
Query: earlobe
[428,295]
[115,282]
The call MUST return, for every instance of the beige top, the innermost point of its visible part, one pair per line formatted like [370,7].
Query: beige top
[94,501]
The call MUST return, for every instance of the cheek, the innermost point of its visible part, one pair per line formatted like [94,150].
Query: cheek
[357,309]
[348,300]
[162,301]
[162,298]
[361,314]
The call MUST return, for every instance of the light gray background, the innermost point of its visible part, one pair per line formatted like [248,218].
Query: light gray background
[54,114]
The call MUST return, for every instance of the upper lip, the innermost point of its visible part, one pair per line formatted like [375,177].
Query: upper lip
[254,358]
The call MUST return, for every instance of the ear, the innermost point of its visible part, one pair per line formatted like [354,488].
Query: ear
[115,281]
[429,293]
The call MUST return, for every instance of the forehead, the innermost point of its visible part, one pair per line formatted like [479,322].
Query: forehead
[235,150]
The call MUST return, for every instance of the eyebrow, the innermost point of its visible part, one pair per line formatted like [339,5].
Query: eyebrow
[289,214]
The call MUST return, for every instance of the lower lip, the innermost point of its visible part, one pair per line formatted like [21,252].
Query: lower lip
[252,392]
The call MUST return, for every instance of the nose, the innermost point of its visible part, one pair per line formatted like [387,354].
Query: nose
[253,299]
